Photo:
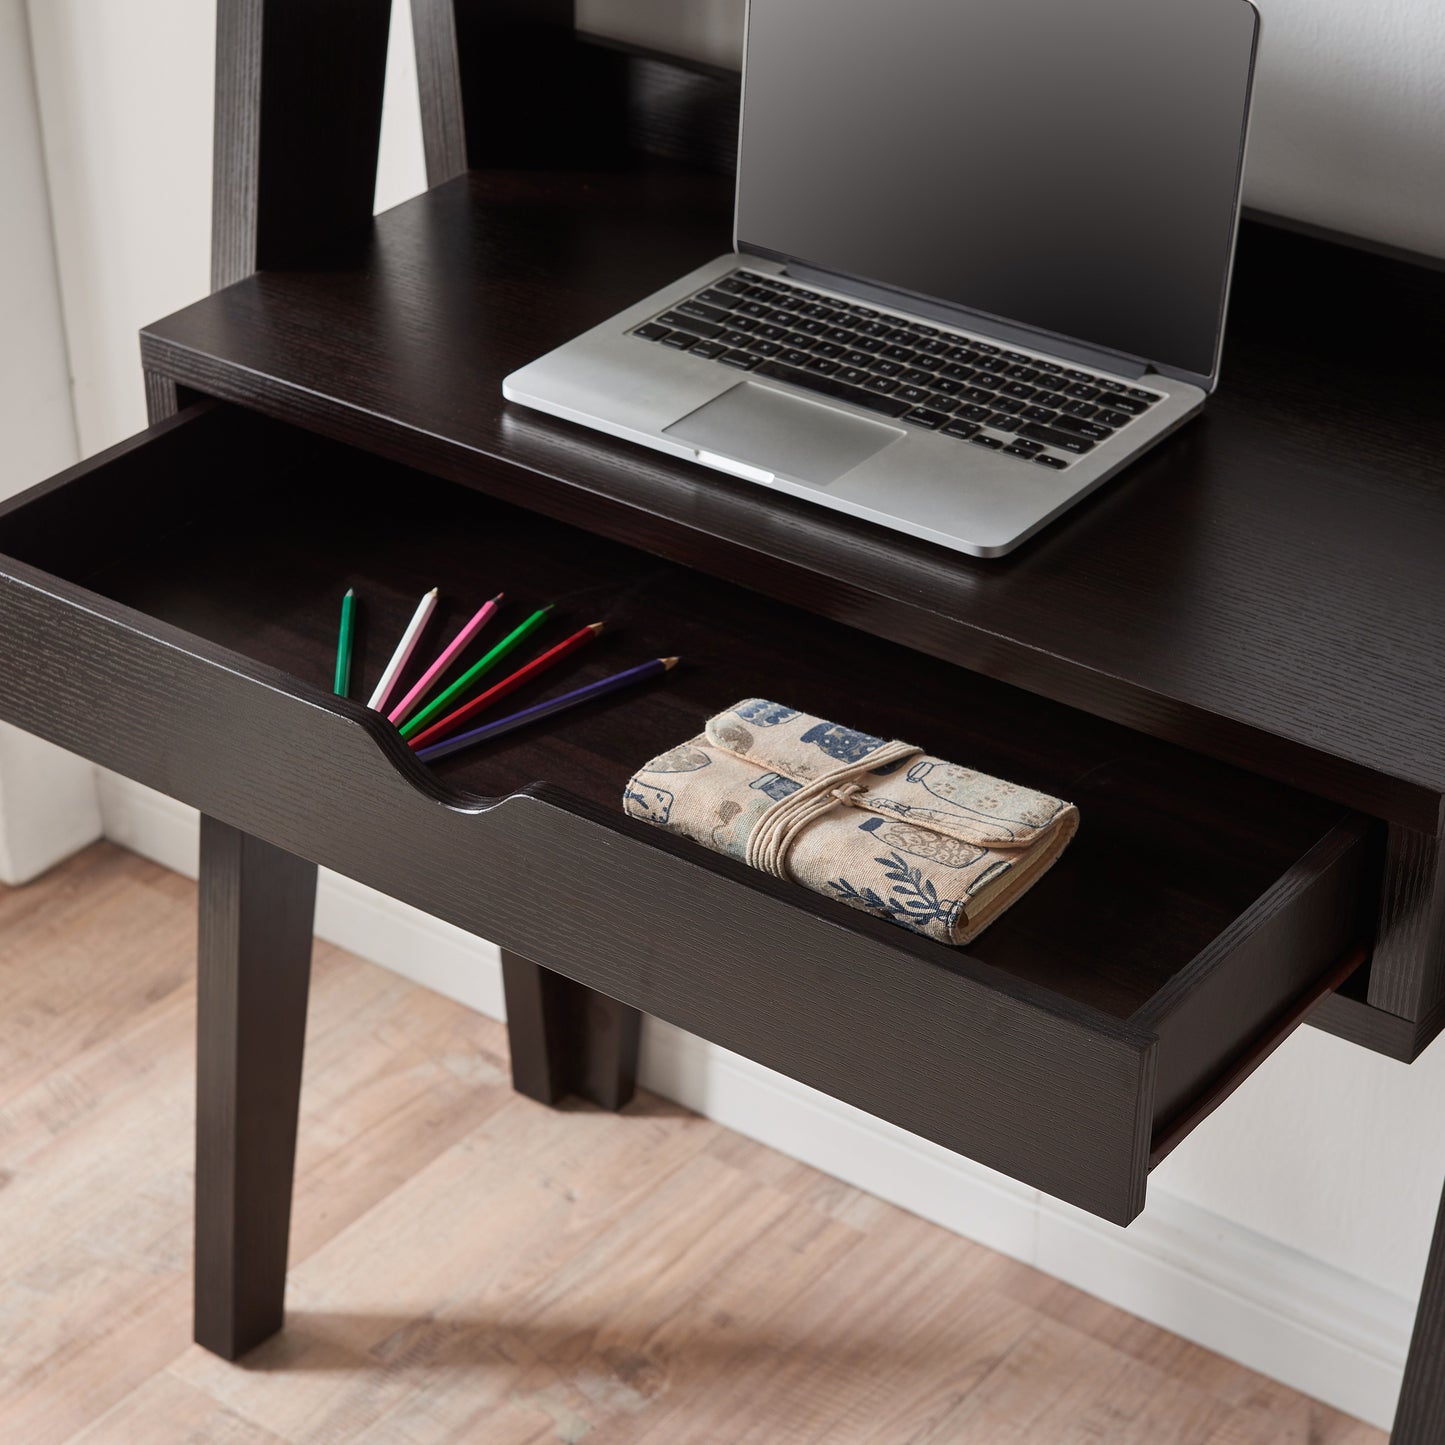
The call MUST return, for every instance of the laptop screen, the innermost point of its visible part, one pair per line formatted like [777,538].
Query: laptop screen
[1071,165]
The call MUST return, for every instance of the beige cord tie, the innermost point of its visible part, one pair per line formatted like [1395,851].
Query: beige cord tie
[772,837]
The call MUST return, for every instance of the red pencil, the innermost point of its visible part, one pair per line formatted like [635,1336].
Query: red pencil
[482,701]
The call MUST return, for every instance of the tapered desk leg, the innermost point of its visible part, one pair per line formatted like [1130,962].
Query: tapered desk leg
[567,1039]
[257,905]
[1420,1416]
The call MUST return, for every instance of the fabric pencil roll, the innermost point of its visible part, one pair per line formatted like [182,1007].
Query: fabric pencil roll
[924,843]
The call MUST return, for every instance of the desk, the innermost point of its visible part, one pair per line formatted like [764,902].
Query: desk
[1231,657]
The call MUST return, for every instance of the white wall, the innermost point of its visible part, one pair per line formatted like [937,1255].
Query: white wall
[47,799]
[1291,1230]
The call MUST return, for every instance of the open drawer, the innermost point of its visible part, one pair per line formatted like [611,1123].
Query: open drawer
[169,609]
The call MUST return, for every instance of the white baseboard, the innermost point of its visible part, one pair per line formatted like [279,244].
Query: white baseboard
[1299,1320]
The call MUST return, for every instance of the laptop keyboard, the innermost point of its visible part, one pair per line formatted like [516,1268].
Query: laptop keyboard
[1028,407]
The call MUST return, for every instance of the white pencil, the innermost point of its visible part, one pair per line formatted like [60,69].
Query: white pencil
[404,650]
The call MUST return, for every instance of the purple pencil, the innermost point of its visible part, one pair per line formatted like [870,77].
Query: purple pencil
[501,725]
[449,655]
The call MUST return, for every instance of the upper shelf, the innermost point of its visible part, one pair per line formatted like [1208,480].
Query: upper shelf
[1265,587]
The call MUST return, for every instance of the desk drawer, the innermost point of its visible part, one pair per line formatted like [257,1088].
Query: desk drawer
[169,610]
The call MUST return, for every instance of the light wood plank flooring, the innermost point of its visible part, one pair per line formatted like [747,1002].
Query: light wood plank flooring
[467,1265]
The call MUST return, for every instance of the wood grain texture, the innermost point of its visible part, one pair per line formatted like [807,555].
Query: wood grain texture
[565,1039]
[1264,587]
[298,120]
[469,1267]
[1407,976]
[214,628]
[439,85]
[256,913]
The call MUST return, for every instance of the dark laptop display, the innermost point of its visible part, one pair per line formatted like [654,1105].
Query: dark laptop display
[1065,165]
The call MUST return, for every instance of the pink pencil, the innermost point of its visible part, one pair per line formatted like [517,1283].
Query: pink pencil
[449,656]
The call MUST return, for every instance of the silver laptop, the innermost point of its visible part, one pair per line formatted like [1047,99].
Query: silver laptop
[981,261]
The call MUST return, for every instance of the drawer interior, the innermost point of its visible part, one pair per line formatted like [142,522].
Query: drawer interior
[251,532]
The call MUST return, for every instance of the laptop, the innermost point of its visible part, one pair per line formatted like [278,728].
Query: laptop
[981,261]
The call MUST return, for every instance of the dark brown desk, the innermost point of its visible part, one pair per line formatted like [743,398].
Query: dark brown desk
[1232,657]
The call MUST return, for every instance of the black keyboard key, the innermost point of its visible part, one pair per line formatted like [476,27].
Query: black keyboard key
[838,390]
[810,328]
[739,322]
[1079,408]
[1008,404]
[856,358]
[972,412]
[1040,414]
[708,349]
[883,385]
[982,439]
[739,359]
[1077,375]
[913,395]
[964,429]
[934,346]
[888,368]
[1056,384]
[715,296]
[821,366]
[651,331]
[792,356]
[1112,418]
[957,371]
[771,333]
[1127,404]
[780,317]
[699,312]
[1105,384]
[1048,366]
[1015,356]
[828,349]
[735,338]
[874,328]
[1083,392]
[901,354]
[1032,448]
[1002,421]
[843,335]
[991,363]
[1015,450]
[940,401]
[1021,373]
[946,385]
[1050,436]
[756,309]
[916,376]
[690,324]
[871,344]
[1017,389]
[922,416]
[1147,397]
[735,284]
[984,347]
[818,312]
[1090,429]
[678,340]
[765,348]
[853,375]
[978,394]
[1045,460]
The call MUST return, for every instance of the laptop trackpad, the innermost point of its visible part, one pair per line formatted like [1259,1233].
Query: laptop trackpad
[775,432]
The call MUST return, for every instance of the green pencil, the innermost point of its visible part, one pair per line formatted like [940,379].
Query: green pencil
[343,643]
[440,704]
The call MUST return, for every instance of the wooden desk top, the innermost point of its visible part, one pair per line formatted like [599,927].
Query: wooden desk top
[1267,587]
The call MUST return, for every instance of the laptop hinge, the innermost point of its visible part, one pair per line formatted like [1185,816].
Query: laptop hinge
[1099,358]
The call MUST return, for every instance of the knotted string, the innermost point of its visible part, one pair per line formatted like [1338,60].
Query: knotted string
[773,835]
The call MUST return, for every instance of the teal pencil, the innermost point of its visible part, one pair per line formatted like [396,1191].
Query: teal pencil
[343,643]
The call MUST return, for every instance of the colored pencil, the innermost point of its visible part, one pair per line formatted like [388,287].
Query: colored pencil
[468,710]
[343,643]
[450,654]
[438,706]
[404,650]
[506,724]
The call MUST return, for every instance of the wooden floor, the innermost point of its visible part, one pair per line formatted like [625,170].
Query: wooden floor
[467,1265]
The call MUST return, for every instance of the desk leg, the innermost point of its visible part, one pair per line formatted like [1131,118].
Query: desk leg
[257,905]
[568,1039]
[1420,1416]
